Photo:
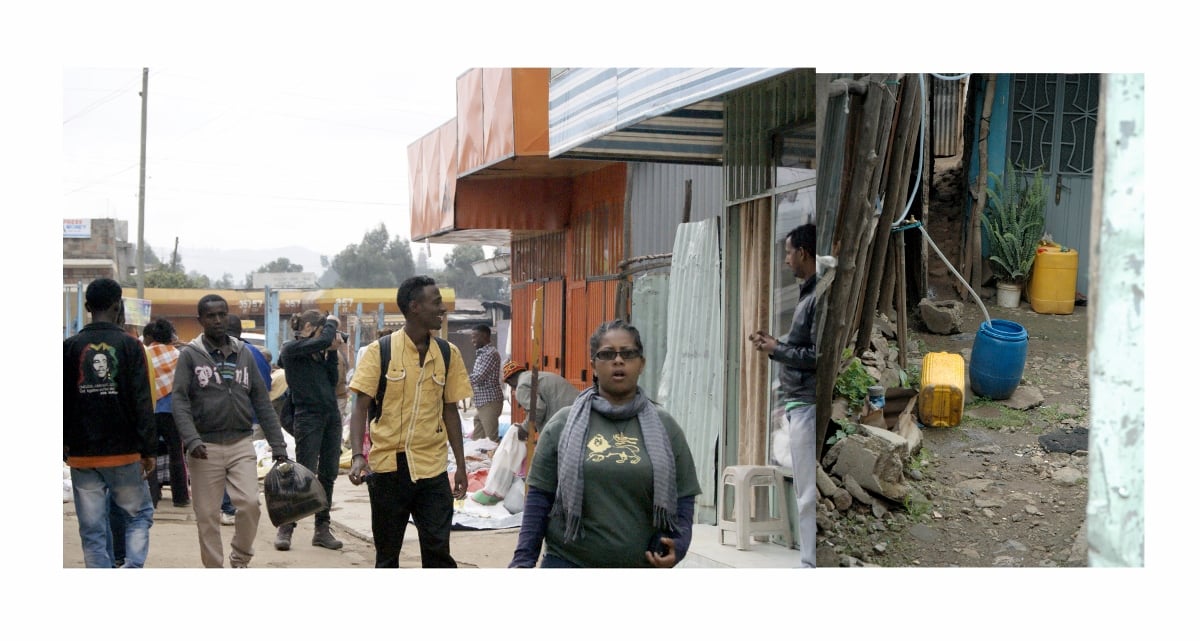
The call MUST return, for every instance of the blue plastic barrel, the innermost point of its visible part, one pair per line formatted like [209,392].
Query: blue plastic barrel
[998,358]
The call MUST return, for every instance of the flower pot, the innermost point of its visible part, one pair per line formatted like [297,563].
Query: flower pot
[1008,295]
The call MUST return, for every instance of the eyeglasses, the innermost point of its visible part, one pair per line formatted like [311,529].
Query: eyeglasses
[625,354]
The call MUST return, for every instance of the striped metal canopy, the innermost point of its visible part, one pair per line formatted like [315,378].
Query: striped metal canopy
[655,115]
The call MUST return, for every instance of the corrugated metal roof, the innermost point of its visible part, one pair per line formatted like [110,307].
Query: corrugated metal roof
[692,380]
[662,114]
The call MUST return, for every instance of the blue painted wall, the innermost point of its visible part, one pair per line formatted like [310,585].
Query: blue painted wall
[997,143]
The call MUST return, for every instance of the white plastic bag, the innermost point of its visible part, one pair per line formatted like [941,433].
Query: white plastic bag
[514,500]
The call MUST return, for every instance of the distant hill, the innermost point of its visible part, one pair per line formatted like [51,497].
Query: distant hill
[215,263]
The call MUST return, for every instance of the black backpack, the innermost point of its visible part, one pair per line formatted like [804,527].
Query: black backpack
[385,357]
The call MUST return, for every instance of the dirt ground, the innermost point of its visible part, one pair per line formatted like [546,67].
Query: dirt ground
[996,496]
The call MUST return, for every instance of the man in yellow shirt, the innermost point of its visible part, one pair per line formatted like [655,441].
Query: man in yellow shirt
[406,474]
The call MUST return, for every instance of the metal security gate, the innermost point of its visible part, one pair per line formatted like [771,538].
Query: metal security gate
[1053,126]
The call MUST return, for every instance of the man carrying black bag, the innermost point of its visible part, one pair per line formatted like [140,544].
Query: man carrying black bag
[217,390]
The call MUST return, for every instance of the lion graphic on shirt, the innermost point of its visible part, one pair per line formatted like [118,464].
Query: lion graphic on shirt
[623,448]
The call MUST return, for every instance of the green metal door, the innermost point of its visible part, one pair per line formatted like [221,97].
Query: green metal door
[1053,126]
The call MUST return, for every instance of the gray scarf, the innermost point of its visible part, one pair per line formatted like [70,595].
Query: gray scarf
[571,451]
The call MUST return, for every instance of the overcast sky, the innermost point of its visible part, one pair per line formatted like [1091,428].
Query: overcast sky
[250,156]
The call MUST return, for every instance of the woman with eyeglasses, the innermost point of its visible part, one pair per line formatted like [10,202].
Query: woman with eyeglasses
[612,482]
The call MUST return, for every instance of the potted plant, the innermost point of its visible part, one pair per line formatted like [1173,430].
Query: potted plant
[1015,219]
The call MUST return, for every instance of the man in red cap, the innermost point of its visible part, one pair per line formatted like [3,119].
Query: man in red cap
[554,393]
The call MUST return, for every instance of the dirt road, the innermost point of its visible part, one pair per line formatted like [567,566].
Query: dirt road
[173,540]
[996,496]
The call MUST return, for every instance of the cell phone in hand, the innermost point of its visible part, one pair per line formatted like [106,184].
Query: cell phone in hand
[656,546]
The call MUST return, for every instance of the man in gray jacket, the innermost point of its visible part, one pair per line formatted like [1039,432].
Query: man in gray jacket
[217,392]
[796,354]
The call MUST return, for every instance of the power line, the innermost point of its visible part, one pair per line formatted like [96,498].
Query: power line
[275,197]
[109,98]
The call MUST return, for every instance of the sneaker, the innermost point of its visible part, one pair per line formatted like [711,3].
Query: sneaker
[483,498]
[228,519]
[183,503]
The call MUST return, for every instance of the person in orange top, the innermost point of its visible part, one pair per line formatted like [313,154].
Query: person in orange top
[159,338]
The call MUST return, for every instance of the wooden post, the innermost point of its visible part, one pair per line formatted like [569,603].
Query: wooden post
[141,250]
[896,194]
[926,142]
[901,304]
[535,352]
[857,212]
[687,201]
[888,111]
[972,262]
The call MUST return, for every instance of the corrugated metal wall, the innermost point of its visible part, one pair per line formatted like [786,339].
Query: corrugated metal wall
[949,97]
[576,319]
[692,381]
[751,115]
[539,257]
[595,240]
[552,326]
[649,316]
[522,306]
[657,195]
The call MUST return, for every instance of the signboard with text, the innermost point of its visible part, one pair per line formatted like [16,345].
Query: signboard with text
[77,228]
[137,311]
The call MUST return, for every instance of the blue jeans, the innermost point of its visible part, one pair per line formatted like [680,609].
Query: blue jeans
[92,488]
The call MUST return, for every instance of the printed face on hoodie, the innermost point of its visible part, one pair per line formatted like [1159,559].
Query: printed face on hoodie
[212,318]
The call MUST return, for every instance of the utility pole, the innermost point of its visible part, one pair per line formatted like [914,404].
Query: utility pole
[141,254]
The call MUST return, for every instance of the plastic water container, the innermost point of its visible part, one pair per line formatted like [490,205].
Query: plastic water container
[943,382]
[998,358]
[1052,284]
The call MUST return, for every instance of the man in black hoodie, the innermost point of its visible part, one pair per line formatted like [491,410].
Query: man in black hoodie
[217,392]
[109,437]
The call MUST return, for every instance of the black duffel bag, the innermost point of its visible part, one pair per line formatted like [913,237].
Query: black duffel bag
[292,492]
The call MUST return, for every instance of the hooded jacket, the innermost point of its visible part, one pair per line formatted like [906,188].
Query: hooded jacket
[209,410]
[110,415]
[797,352]
[311,371]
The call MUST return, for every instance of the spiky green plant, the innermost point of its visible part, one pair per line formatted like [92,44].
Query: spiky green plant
[1015,220]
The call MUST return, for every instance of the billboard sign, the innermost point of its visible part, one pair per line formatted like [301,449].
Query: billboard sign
[137,311]
[77,228]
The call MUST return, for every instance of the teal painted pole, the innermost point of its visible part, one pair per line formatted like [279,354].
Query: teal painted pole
[358,324]
[271,320]
[1116,300]
[78,308]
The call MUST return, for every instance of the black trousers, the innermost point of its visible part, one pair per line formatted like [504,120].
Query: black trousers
[165,423]
[430,502]
[319,448]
